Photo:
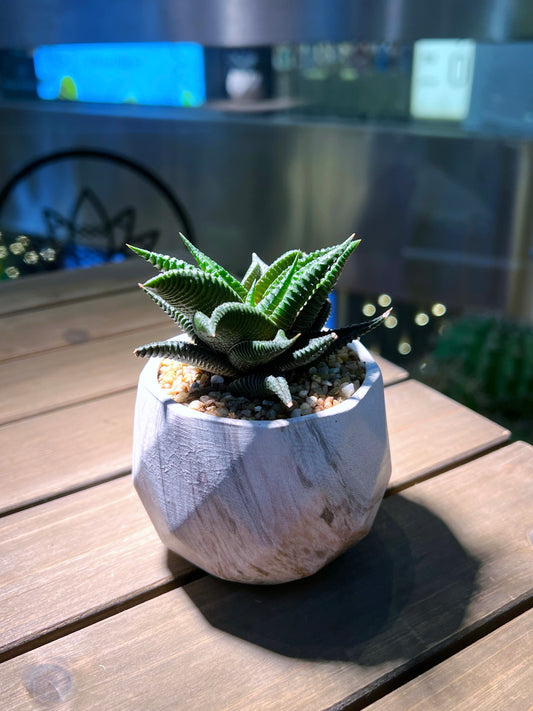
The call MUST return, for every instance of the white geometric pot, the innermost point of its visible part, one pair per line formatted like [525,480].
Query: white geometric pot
[261,501]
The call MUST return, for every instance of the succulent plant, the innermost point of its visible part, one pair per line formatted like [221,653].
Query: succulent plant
[254,331]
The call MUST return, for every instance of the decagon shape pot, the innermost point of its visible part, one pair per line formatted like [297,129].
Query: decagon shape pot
[261,501]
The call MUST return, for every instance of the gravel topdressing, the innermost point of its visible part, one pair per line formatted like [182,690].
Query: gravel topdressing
[318,387]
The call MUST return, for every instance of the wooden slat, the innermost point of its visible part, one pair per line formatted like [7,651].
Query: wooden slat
[94,439]
[391,372]
[71,557]
[55,379]
[67,324]
[429,431]
[56,287]
[443,557]
[495,673]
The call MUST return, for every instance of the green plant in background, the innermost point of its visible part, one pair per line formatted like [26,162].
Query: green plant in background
[257,330]
[486,362]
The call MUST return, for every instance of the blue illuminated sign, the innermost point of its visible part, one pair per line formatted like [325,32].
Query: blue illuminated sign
[160,73]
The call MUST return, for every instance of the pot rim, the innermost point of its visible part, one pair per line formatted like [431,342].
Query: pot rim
[148,380]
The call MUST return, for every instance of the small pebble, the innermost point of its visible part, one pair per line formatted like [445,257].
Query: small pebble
[348,390]
[217,380]
[196,405]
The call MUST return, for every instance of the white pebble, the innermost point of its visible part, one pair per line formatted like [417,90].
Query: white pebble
[348,390]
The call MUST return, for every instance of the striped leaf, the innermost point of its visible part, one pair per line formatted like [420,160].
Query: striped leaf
[309,313]
[247,355]
[189,292]
[311,256]
[350,333]
[250,299]
[274,270]
[209,266]
[253,273]
[190,353]
[313,349]
[232,323]
[162,261]
[183,322]
[277,290]
[258,385]
[301,289]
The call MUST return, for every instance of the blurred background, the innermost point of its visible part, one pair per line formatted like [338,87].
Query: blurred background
[254,126]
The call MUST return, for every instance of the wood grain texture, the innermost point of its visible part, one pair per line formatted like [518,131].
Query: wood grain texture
[494,673]
[436,565]
[74,556]
[36,291]
[46,381]
[74,323]
[429,431]
[93,440]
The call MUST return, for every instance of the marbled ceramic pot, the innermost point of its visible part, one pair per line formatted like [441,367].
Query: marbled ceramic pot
[261,502]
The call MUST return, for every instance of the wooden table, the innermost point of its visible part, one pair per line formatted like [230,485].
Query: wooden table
[430,611]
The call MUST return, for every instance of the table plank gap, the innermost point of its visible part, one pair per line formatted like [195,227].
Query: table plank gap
[64,380]
[61,326]
[75,556]
[430,433]
[84,621]
[496,667]
[70,286]
[459,460]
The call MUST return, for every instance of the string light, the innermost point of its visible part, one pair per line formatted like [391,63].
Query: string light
[404,347]
[369,309]
[391,322]
[438,310]
[384,300]
[421,319]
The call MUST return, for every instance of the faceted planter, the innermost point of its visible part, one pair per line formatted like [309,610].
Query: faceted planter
[261,501]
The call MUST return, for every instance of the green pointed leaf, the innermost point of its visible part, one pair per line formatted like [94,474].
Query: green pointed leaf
[162,261]
[251,354]
[277,290]
[232,323]
[302,287]
[255,270]
[184,323]
[317,253]
[189,292]
[250,299]
[187,353]
[313,349]
[258,385]
[274,270]
[209,266]
[309,313]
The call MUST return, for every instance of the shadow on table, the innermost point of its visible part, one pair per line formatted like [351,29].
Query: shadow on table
[402,589]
